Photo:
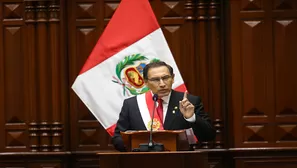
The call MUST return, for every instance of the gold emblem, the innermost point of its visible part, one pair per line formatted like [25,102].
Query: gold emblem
[134,77]
[156,124]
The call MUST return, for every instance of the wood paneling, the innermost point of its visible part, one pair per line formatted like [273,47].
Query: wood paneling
[180,159]
[33,101]
[271,163]
[13,70]
[31,64]
[34,160]
[263,79]
[208,68]
[265,157]
[238,55]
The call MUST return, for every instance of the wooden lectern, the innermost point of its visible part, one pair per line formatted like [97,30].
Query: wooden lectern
[175,155]
[177,159]
[173,140]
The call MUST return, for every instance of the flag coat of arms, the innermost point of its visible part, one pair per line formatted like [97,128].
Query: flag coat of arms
[113,71]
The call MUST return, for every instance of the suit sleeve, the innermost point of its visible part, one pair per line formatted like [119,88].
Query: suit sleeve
[202,127]
[122,125]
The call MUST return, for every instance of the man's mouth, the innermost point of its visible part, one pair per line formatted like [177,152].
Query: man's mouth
[163,91]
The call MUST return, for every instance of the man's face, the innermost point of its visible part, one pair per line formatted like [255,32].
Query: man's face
[159,81]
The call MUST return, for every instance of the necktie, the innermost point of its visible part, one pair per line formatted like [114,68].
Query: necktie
[160,109]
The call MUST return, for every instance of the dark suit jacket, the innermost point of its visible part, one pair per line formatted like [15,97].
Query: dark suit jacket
[130,119]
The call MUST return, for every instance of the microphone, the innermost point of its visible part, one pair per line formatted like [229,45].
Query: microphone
[151,146]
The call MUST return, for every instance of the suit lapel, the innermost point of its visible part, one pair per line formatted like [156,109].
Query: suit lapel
[170,116]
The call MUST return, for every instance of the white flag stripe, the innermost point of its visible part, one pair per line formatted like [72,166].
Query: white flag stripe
[103,97]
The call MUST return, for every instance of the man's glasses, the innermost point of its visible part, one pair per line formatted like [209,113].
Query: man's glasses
[158,80]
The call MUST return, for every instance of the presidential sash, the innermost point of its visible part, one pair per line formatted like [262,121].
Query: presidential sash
[146,104]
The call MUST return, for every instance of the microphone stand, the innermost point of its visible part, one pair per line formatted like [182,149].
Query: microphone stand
[151,143]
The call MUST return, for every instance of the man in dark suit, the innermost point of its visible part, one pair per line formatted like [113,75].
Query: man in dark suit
[178,110]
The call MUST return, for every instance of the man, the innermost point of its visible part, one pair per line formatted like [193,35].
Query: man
[180,110]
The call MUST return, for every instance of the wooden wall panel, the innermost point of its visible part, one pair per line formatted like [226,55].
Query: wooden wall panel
[271,163]
[33,88]
[262,77]
[285,60]
[86,161]
[33,160]
[13,70]
[44,44]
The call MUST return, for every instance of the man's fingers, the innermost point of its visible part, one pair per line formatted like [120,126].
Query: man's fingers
[180,105]
[185,94]
[185,104]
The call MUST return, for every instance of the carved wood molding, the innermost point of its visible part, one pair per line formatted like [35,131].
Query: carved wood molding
[42,25]
[190,10]
[209,57]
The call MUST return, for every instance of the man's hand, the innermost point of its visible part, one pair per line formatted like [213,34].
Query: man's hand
[186,108]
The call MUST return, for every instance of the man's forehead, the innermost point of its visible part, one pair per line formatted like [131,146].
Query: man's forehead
[158,71]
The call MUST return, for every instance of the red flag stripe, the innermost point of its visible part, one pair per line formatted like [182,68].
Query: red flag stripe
[125,28]
[181,88]
[111,129]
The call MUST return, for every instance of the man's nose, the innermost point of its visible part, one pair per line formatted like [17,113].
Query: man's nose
[162,83]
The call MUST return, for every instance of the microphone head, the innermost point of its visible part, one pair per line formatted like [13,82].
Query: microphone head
[155,97]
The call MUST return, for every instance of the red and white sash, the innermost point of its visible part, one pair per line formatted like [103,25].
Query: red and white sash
[146,104]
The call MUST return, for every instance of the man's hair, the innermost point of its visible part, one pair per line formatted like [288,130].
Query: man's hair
[155,65]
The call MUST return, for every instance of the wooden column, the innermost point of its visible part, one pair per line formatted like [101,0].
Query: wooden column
[54,50]
[210,68]
[30,21]
[2,95]
[44,75]
[216,70]
[202,55]
[187,57]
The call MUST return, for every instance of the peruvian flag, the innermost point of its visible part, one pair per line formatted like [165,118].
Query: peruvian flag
[113,71]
